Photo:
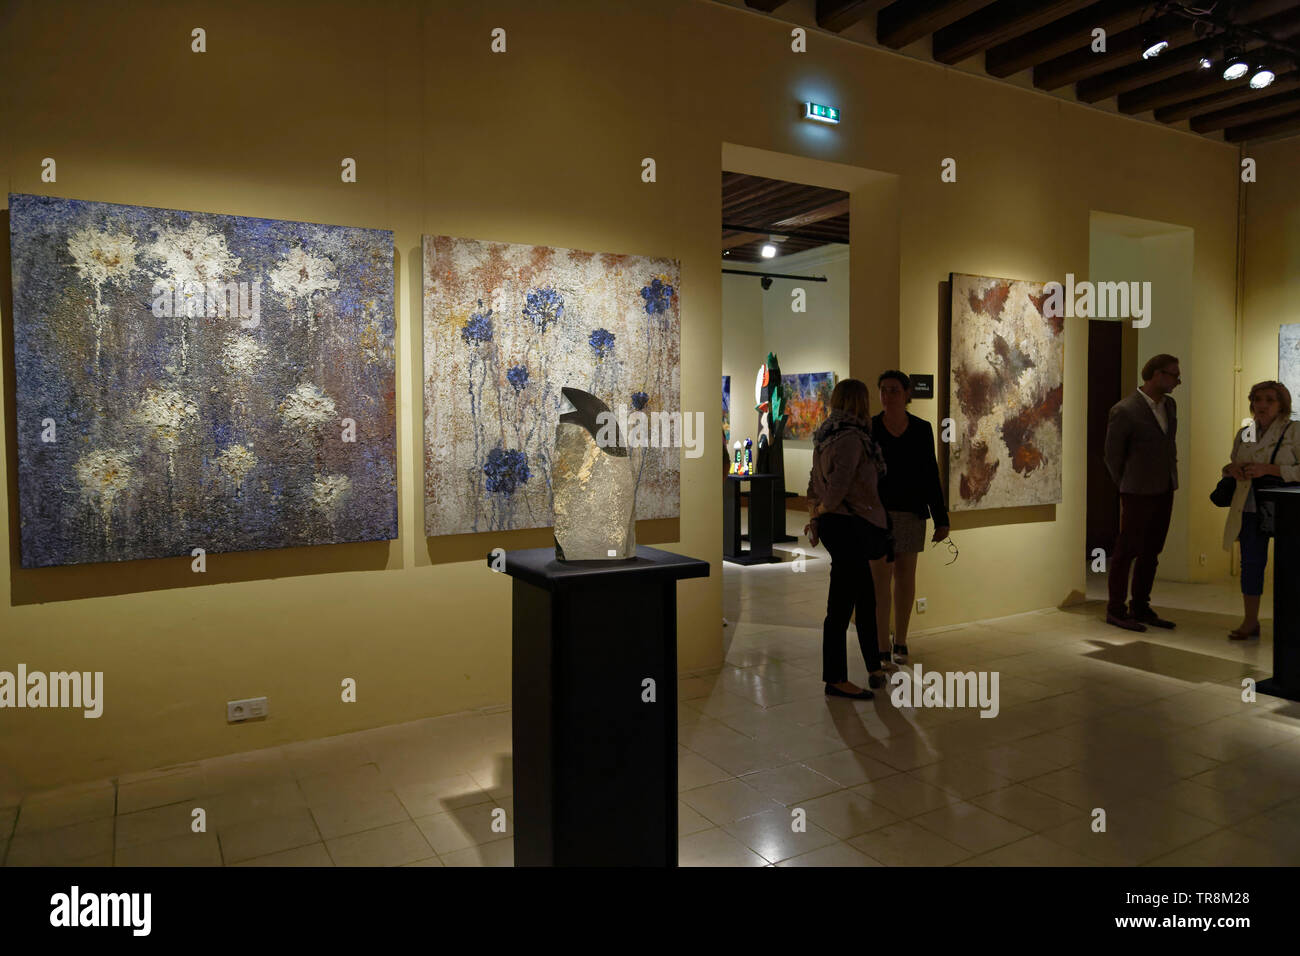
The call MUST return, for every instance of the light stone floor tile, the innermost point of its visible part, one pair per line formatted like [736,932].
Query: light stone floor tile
[905,795]
[66,806]
[245,841]
[791,784]
[849,768]
[446,793]
[846,814]
[61,846]
[464,827]
[159,788]
[971,827]
[192,849]
[773,835]
[1034,851]
[907,844]
[715,847]
[150,826]
[352,813]
[837,854]
[728,801]
[313,854]
[498,853]
[694,771]
[392,845]
[1027,808]
[245,771]
[690,820]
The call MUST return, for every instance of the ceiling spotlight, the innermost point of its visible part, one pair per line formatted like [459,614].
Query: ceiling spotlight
[1237,67]
[1262,78]
[1153,48]
[769,250]
[1206,63]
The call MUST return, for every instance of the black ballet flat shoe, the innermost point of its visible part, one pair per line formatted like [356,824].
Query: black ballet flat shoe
[833,691]
[877,679]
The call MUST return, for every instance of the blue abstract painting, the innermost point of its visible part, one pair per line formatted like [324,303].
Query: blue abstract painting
[506,327]
[192,380]
[726,408]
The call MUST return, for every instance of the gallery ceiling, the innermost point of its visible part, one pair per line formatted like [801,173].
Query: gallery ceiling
[1049,43]
[754,210]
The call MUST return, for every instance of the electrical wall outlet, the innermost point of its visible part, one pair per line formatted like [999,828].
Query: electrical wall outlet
[920,605]
[252,708]
[1204,559]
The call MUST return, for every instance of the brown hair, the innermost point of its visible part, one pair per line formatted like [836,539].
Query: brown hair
[1155,364]
[1277,388]
[850,395]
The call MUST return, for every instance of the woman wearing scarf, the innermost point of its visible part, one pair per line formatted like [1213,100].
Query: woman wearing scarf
[848,517]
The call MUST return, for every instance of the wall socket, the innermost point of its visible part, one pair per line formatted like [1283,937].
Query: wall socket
[1203,560]
[253,708]
[920,605]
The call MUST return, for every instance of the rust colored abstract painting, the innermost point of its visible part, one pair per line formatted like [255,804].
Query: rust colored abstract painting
[506,327]
[1008,362]
[192,380]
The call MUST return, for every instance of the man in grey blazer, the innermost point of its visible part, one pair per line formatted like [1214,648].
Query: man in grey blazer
[1142,459]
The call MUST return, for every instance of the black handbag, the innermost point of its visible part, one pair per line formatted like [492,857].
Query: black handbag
[1267,513]
[1223,491]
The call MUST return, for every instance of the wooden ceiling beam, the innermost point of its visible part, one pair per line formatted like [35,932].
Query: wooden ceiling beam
[1177,89]
[998,23]
[906,21]
[838,15]
[767,6]
[828,211]
[1181,60]
[1120,49]
[1265,108]
[1265,129]
[1232,95]
[1066,35]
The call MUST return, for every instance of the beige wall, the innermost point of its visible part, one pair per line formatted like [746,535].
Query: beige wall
[540,145]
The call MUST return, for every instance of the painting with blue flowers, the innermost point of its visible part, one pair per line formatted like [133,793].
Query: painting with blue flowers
[194,380]
[506,326]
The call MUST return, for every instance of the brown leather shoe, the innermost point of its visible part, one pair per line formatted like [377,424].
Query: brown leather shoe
[1125,622]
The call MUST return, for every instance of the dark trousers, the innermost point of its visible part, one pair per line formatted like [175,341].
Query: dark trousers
[1254,554]
[1143,526]
[853,543]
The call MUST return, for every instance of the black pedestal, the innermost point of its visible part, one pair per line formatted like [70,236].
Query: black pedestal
[779,498]
[1285,681]
[595,765]
[760,520]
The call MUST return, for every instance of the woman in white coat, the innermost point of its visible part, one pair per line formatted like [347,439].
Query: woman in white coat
[1273,430]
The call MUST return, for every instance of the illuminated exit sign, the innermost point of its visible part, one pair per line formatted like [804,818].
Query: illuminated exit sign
[822,114]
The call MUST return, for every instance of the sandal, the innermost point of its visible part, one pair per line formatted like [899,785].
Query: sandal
[1239,635]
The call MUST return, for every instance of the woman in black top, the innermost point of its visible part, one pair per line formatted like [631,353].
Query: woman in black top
[910,491]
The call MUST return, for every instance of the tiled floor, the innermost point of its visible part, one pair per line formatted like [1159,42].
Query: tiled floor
[1148,728]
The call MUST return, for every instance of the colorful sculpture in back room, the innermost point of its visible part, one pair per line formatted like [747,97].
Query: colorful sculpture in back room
[769,393]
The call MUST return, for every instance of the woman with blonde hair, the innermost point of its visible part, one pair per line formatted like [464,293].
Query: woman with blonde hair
[848,516]
[1266,448]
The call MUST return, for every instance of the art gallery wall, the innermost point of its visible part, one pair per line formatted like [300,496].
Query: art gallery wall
[543,144]
[1271,269]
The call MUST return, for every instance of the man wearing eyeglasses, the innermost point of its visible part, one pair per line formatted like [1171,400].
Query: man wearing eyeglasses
[1142,459]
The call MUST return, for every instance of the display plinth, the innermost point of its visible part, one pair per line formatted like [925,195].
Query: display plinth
[1285,681]
[595,765]
[760,520]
